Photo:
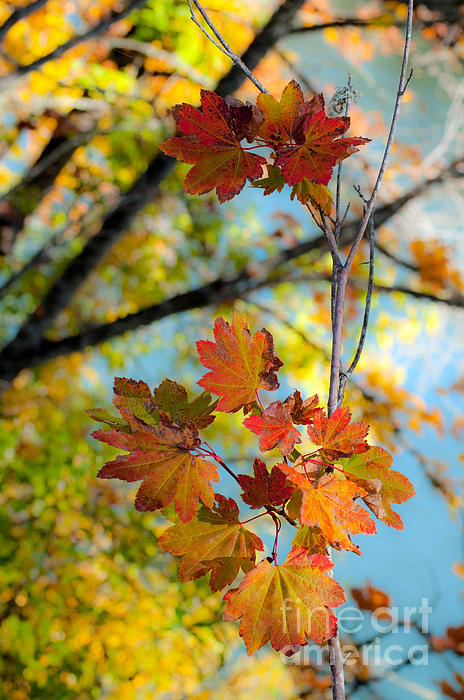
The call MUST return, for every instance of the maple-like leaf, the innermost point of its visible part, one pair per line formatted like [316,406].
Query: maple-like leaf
[318,195]
[275,428]
[130,398]
[213,541]
[286,604]
[101,415]
[336,436]
[275,424]
[283,121]
[374,466]
[160,456]
[264,488]
[310,538]
[240,364]
[172,398]
[371,598]
[330,506]
[303,412]
[321,150]
[212,142]
[274,180]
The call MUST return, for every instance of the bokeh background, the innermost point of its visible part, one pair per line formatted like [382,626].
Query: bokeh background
[107,268]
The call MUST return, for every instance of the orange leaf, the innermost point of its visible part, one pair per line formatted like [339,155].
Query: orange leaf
[330,506]
[370,598]
[240,364]
[275,427]
[394,487]
[213,541]
[336,436]
[160,456]
[287,603]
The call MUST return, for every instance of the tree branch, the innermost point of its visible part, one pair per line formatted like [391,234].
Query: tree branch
[145,189]
[222,45]
[367,307]
[18,14]
[15,357]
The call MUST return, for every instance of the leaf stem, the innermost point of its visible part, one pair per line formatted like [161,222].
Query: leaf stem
[259,400]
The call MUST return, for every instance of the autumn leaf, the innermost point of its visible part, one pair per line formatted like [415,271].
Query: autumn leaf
[286,604]
[319,196]
[275,424]
[130,398]
[321,150]
[451,692]
[240,364]
[336,436]
[330,506]
[101,415]
[212,142]
[371,598]
[283,120]
[374,466]
[160,456]
[213,541]
[275,428]
[274,181]
[453,639]
[310,538]
[171,398]
[264,488]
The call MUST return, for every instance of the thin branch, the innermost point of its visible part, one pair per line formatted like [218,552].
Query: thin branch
[339,169]
[362,338]
[222,45]
[374,23]
[402,87]
[18,14]
[30,340]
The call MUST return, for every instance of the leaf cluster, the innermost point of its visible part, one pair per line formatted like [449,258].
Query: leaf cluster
[323,493]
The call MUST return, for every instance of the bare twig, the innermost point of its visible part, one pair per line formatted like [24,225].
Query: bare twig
[339,169]
[402,87]
[362,338]
[222,45]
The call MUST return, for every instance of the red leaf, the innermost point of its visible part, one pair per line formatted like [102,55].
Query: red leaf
[275,426]
[160,456]
[336,436]
[212,142]
[285,604]
[321,151]
[283,121]
[264,489]
[240,364]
